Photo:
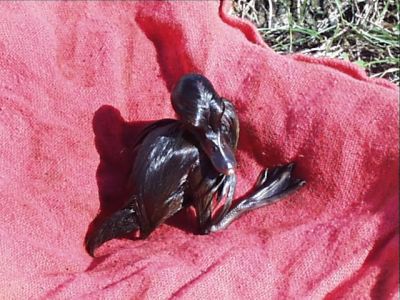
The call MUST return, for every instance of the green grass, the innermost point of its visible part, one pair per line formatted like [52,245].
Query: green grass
[366,32]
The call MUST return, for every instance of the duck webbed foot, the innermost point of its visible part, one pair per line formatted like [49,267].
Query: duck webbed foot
[272,185]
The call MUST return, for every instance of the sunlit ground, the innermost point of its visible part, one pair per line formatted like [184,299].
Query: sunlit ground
[364,32]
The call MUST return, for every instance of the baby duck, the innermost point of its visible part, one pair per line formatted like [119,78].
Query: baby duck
[190,162]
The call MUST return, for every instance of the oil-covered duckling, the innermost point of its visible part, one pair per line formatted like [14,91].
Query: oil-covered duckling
[190,161]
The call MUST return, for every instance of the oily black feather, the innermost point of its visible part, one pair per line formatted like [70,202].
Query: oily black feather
[191,99]
[229,125]
[165,158]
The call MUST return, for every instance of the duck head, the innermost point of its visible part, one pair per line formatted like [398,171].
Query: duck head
[211,119]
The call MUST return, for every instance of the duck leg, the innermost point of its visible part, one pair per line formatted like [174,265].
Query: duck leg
[120,223]
[272,186]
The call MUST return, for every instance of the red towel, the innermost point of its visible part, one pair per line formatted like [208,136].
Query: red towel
[76,80]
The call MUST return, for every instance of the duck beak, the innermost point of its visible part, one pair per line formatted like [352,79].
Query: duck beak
[220,154]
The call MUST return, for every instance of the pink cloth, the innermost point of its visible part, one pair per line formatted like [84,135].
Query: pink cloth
[61,62]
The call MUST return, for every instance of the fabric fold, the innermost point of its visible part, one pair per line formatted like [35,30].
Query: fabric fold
[77,83]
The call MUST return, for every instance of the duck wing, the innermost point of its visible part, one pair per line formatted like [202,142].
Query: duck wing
[164,159]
